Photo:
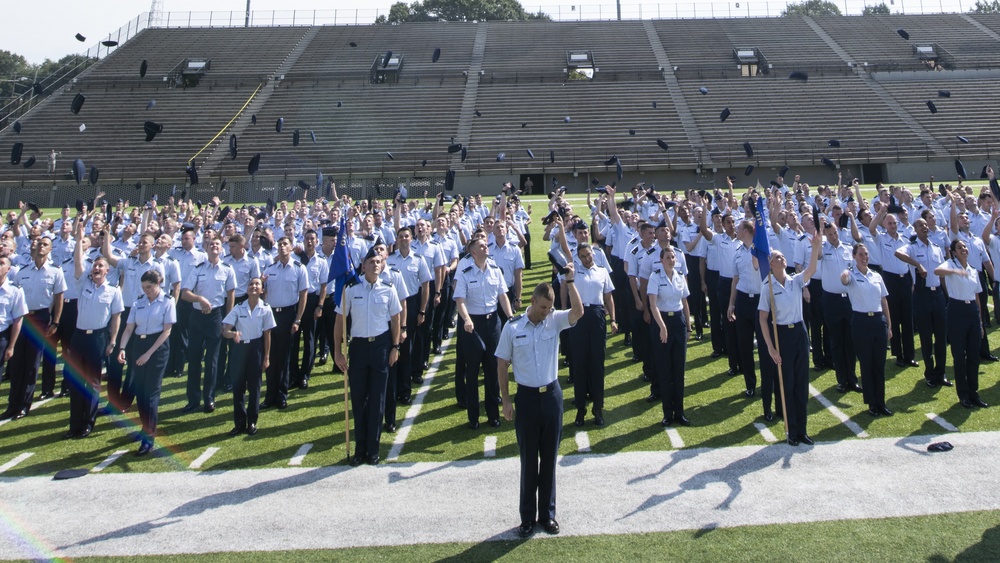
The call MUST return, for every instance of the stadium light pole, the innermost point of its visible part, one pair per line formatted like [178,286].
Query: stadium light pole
[618,4]
[246,23]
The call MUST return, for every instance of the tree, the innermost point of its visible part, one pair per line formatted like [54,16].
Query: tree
[458,10]
[812,8]
[12,68]
[877,9]
[984,7]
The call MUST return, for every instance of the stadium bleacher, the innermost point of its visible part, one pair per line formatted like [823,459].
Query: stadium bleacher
[878,111]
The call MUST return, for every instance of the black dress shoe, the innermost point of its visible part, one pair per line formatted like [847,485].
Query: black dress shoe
[403,400]
[85,432]
[598,420]
[988,358]
[265,405]
[732,372]
[474,424]
[47,395]
[144,449]
[209,408]
[304,384]
[418,379]
[526,529]
[356,461]
[251,429]
[792,442]
[912,363]
[873,411]
[682,420]
[70,434]
[551,527]
[966,403]
[569,380]
[105,410]
[716,353]
[282,405]
[979,402]
[321,361]
[856,388]
[390,427]
[805,439]
[819,367]
[946,383]
[652,398]
[750,392]
[190,407]
[19,415]
[494,422]
[769,416]
[665,422]
[237,430]
[885,410]
[627,341]
[932,384]
[372,460]
[580,416]
[698,337]
[841,388]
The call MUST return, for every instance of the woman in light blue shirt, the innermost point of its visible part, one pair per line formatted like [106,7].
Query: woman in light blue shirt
[965,327]
[668,292]
[870,327]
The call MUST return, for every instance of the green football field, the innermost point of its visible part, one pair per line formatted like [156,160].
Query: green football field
[721,417]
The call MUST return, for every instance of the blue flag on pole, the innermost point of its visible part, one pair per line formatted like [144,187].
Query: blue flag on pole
[761,246]
[341,268]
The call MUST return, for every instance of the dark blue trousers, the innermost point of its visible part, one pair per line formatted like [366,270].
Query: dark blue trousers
[538,425]
[120,391]
[794,342]
[722,289]
[586,357]
[281,340]
[204,337]
[869,333]
[368,373]
[488,329]
[246,361]
[82,371]
[837,316]
[23,365]
[669,359]
[965,335]
[147,380]
[900,299]
[930,316]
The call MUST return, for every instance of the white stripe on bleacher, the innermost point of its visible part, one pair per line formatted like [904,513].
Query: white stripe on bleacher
[582,442]
[15,461]
[765,432]
[676,442]
[208,453]
[107,462]
[839,414]
[300,455]
[490,446]
[942,422]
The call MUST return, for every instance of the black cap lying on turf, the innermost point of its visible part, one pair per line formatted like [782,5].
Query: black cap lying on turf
[725,114]
[454,147]
[15,153]
[151,128]
[80,37]
[749,170]
[944,94]
[79,171]
[192,172]
[109,43]
[662,144]
[77,103]
[94,175]
[833,143]
[279,124]
[748,149]
[931,106]
[30,162]
[143,68]
[902,33]
[829,163]
[436,55]
[798,75]
[17,126]
[962,139]
[960,169]
[783,171]
[254,165]
[233,147]
[295,138]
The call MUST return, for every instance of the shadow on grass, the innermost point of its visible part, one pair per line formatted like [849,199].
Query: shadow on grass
[490,549]
[985,550]
[731,475]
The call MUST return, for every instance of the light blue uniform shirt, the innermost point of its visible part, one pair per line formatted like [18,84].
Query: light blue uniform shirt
[371,307]
[832,262]
[533,349]
[96,304]
[787,298]
[284,282]
[481,289]
[211,281]
[962,288]
[250,323]
[12,305]
[245,269]
[150,316]
[413,268]
[670,291]
[41,285]
[749,281]
[866,291]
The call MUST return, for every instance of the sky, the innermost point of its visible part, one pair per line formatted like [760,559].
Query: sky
[47,30]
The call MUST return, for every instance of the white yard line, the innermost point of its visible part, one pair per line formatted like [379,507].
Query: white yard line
[490,446]
[34,405]
[839,414]
[676,441]
[582,442]
[107,462]
[300,455]
[769,436]
[10,464]
[418,400]
[205,456]
[942,422]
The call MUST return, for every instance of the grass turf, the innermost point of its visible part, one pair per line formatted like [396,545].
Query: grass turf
[966,537]
[720,414]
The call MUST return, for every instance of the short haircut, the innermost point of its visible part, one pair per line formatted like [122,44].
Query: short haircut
[152,276]
[238,239]
[544,291]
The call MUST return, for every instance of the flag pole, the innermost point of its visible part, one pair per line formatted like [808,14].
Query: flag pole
[342,319]
[777,346]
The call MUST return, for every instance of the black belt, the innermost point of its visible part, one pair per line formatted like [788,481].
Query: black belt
[287,308]
[38,311]
[790,326]
[601,307]
[486,317]
[903,275]
[670,313]
[966,301]
[542,389]
[834,294]
[750,295]
[369,338]
[251,341]
[92,331]
[869,313]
